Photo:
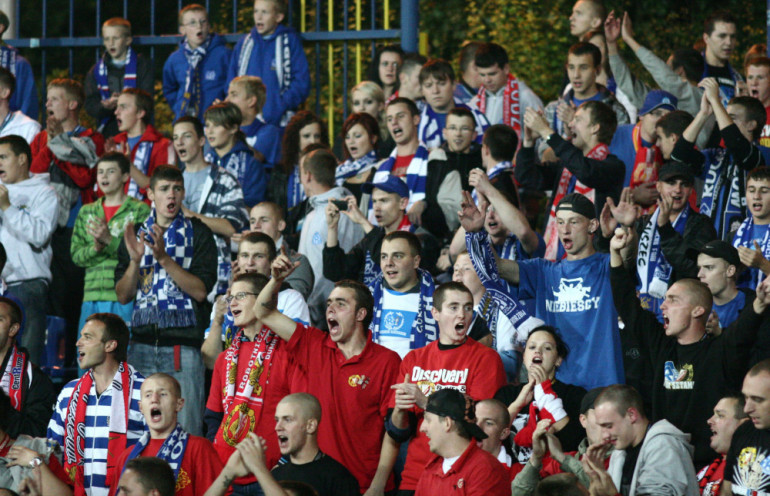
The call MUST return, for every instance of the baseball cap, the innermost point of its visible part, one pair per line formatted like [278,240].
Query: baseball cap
[588,400]
[391,184]
[575,202]
[452,403]
[675,168]
[722,249]
[658,99]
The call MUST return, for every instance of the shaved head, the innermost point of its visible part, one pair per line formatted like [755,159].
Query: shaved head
[501,411]
[307,403]
[698,294]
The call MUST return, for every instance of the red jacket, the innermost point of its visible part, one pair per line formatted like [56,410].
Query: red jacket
[476,472]
[162,153]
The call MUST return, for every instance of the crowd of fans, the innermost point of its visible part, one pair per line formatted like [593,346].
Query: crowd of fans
[464,292]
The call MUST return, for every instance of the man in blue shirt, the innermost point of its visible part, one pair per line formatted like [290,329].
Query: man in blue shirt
[718,268]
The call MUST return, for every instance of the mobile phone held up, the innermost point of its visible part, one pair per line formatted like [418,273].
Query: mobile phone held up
[341,204]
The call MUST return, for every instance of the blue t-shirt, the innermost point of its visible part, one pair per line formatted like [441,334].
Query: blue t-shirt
[512,249]
[728,313]
[576,298]
[132,142]
[750,276]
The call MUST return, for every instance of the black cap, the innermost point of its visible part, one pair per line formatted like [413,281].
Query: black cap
[575,202]
[588,400]
[724,250]
[673,169]
[452,403]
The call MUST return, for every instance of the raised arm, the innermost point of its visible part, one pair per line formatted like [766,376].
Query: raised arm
[513,219]
[265,308]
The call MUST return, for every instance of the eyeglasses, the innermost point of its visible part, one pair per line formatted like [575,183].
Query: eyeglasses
[239,296]
[192,24]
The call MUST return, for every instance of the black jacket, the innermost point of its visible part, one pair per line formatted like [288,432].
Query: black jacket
[605,176]
[38,396]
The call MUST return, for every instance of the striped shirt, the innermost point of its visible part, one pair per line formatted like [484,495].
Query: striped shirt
[97,430]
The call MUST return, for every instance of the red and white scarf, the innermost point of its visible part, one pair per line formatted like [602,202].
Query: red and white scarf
[546,405]
[646,163]
[13,377]
[242,404]
[599,152]
[511,104]
[75,423]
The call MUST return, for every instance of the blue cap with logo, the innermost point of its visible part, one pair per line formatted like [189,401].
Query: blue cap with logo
[658,99]
[392,184]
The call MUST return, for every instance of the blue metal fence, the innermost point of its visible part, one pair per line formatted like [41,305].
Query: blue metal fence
[298,11]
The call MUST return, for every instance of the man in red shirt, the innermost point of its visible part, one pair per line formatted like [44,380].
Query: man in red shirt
[460,467]
[348,373]
[192,458]
[758,81]
[452,362]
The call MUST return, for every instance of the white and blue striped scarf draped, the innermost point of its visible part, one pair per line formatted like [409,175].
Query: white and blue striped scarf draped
[191,97]
[651,263]
[172,451]
[416,173]
[158,298]
[431,135]
[424,329]
[350,167]
[282,63]
[720,173]
[236,164]
[141,162]
[8,56]
[129,76]
[508,250]
[483,260]
[295,193]
[743,238]
[496,170]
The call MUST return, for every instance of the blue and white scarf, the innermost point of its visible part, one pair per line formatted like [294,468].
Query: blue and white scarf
[8,56]
[653,269]
[723,198]
[142,162]
[496,171]
[509,249]
[129,76]
[743,237]
[350,167]
[191,98]
[424,329]
[416,173]
[295,193]
[483,260]
[430,133]
[158,298]
[252,129]
[282,63]
[172,451]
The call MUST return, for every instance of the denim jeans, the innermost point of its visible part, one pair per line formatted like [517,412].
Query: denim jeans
[248,490]
[149,359]
[34,296]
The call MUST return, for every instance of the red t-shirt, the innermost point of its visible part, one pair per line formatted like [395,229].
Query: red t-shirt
[401,165]
[471,368]
[354,395]
[109,212]
[764,138]
[476,472]
[264,425]
[200,465]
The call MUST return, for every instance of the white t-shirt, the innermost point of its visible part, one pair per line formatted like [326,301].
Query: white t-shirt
[398,313]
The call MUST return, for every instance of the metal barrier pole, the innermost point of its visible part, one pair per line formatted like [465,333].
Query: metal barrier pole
[330,62]
[358,43]
[410,25]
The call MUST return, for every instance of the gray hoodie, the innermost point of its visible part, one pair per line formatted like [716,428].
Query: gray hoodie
[664,466]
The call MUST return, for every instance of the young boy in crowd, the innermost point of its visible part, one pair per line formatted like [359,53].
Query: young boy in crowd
[437,83]
[140,141]
[25,98]
[752,239]
[249,94]
[229,151]
[274,53]
[120,67]
[584,64]
[195,75]
[16,122]
[211,194]
[97,233]
[758,81]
